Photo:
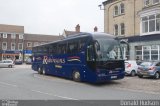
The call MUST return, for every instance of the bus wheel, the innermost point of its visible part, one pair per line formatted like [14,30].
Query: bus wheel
[76,76]
[39,70]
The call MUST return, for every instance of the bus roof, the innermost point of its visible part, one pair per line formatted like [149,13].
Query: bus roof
[82,34]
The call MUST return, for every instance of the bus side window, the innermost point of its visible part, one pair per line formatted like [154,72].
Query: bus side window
[53,49]
[73,47]
[81,44]
[62,48]
[46,50]
[90,53]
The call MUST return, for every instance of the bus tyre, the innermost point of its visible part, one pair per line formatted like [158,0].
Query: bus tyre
[76,76]
[39,70]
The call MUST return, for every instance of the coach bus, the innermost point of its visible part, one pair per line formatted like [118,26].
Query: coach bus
[89,57]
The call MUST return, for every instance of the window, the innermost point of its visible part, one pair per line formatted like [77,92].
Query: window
[20,46]
[122,8]
[82,43]
[145,24]
[53,49]
[122,29]
[148,53]
[36,43]
[116,29]
[29,44]
[4,35]
[115,10]
[151,23]
[73,47]
[4,45]
[146,2]
[158,22]
[13,36]
[20,36]
[154,52]
[138,52]
[62,48]
[155,1]
[13,46]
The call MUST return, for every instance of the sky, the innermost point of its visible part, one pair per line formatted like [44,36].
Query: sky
[52,16]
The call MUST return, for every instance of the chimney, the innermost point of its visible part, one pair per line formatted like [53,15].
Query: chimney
[95,29]
[77,28]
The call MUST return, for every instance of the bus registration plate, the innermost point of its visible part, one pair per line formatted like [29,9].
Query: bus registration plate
[113,77]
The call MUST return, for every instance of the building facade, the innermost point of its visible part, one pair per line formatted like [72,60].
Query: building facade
[11,41]
[138,22]
[15,44]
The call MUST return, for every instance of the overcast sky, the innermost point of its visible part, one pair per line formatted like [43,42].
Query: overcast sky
[52,16]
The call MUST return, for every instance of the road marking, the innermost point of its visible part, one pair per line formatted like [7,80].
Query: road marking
[4,83]
[50,94]
[41,92]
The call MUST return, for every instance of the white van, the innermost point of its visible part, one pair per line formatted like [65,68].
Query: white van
[131,67]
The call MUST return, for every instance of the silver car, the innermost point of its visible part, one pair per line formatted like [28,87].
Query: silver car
[7,63]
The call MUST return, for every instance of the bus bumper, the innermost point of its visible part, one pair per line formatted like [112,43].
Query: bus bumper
[101,78]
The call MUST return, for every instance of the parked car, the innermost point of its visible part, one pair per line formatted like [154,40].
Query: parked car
[131,67]
[28,61]
[18,61]
[151,69]
[7,63]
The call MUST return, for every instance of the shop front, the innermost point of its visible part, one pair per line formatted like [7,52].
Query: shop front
[27,54]
[13,55]
[144,48]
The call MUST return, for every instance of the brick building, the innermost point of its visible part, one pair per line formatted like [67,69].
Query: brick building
[11,41]
[15,44]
